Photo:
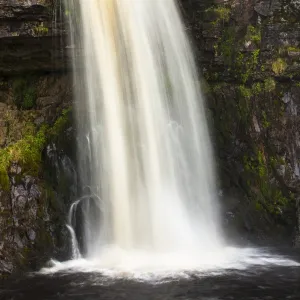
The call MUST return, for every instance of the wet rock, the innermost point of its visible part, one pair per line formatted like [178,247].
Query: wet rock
[3,106]
[15,169]
[256,125]
[31,234]
[47,101]
[287,97]
[280,35]
[39,121]
[28,181]
[281,170]
[18,240]
[34,192]
[297,235]
[229,217]
[255,108]
[266,8]
[242,11]
[5,267]
[19,197]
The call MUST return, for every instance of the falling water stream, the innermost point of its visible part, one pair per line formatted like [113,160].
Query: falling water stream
[146,164]
[144,144]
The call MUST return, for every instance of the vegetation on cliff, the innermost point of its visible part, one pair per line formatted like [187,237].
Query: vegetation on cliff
[254,78]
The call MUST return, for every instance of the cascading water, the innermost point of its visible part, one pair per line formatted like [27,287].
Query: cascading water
[148,205]
[144,150]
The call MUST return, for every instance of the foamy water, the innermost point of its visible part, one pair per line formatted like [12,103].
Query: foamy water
[115,263]
[145,158]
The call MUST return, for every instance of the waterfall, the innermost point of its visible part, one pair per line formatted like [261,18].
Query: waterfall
[145,156]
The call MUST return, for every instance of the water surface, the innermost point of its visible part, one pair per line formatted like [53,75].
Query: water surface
[278,279]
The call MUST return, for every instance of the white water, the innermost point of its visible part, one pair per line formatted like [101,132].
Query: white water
[144,146]
[146,163]
[140,266]
[74,243]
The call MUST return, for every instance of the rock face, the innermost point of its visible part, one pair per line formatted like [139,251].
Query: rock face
[249,54]
[32,37]
[37,172]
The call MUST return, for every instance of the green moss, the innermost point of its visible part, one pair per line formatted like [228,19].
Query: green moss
[293,49]
[248,164]
[255,55]
[269,84]
[253,34]
[206,88]
[216,88]
[258,206]
[268,195]
[241,64]
[24,93]
[257,88]
[222,14]
[212,76]
[276,161]
[244,92]
[279,66]
[29,129]
[280,200]
[243,96]
[265,122]
[26,152]
[226,46]
[61,123]
[262,169]
[29,98]
[245,65]
[4,179]
[41,29]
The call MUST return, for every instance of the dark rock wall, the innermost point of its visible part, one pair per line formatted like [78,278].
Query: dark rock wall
[249,55]
[37,171]
[37,154]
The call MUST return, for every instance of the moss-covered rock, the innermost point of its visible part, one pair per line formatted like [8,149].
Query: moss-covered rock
[249,57]
[35,191]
